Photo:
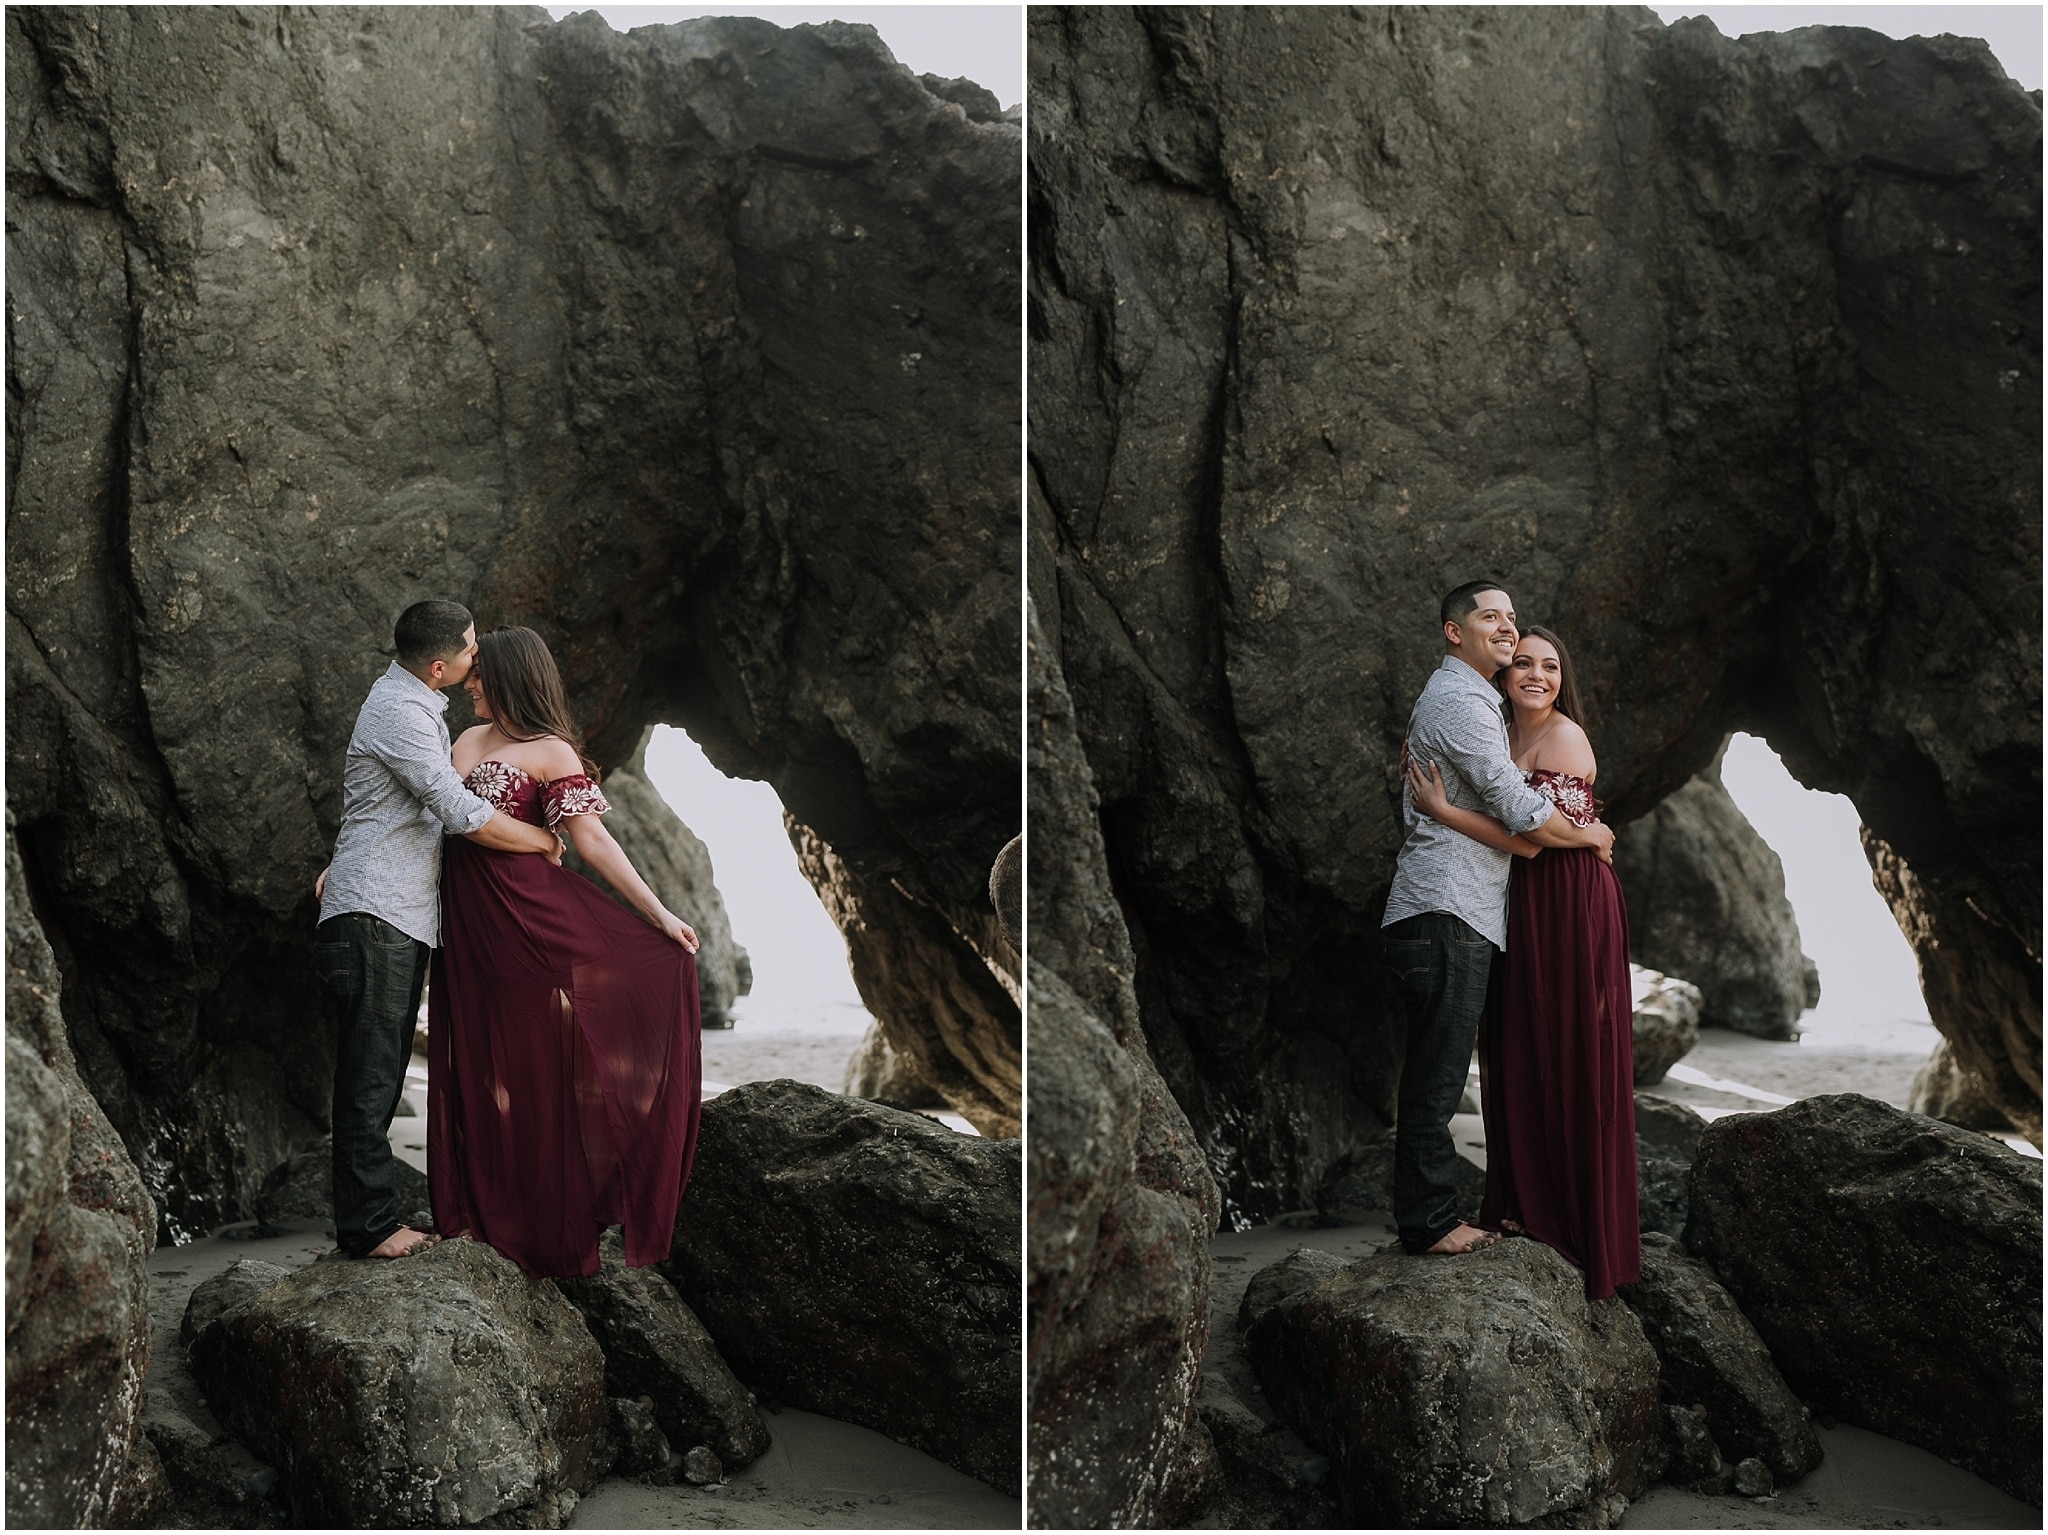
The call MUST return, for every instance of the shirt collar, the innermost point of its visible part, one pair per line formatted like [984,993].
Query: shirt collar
[405,679]
[1463,672]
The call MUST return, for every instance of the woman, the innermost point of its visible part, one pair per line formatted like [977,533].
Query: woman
[563,1046]
[1556,1048]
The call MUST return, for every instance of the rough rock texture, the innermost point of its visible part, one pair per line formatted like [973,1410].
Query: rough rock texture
[1667,1136]
[1893,1265]
[1485,1392]
[639,1447]
[80,1229]
[239,1281]
[1711,1357]
[1706,900]
[677,867]
[1006,891]
[1665,1024]
[444,1389]
[861,1262]
[301,1188]
[1945,1089]
[1695,1460]
[695,348]
[1264,1479]
[654,1346]
[1122,1206]
[1723,354]
[881,1075]
[957,1024]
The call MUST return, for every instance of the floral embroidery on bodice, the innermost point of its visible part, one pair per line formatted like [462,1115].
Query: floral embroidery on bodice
[1572,795]
[523,797]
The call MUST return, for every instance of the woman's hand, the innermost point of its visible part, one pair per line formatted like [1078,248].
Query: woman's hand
[1426,785]
[673,926]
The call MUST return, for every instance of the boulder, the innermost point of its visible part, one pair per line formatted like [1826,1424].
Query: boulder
[1892,1265]
[861,1262]
[241,1280]
[1302,1269]
[1266,1478]
[639,1447]
[1006,891]
[654,1347]
[1333,309]
[1713,1358]
[1706,900]
[1667,1135]
[1363,1180]
[1482,1391]
[1947,1090]
[1695,1460]
[443,1389]
[301,1188]
[80,1228]
[1666,1022]
[883,1075]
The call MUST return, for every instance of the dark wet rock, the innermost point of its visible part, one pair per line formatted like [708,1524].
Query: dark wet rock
[639,1447]
[1695,1460]
[1332,309]
[144,1494]
[882,1075]
[952,1016]
[1122,1205]
[978,102]
[1006,891]
[695,348]
[209,1480]
[1713,1358]
[1302,1269]
[301,1188]
[701,1467]
[1706,900]
[1363,1180]
[655,1347]
[1665,1024]
[1667,1135]
[1484,1390]
[677,867]
[1946,1090]
[239,1281]
[445,1388]
[861,1262]
[1753,1478]
[1267,1479]
[80,1229]
[1892,1264]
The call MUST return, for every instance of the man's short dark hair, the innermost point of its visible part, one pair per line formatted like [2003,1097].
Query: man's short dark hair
[431,631]
[1460,600]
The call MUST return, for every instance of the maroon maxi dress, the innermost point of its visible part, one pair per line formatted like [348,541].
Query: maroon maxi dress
[563,1051]
[1557,1059]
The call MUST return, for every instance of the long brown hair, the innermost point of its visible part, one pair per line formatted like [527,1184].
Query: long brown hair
[1568,703]
[523,689]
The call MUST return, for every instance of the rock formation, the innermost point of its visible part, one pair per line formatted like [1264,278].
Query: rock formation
[301,1188]
[694,348]
[1945,1089]
[1667,1138]
[1893,1266]
[1665,1024]
[861,1262]
[1722,354]
[1706,900]
[1487,1392]
[448,1389]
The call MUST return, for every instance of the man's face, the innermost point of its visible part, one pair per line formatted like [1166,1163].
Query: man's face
[1485,638]
[455,670]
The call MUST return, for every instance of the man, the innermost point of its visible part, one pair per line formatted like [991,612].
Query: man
[1447,913]
[380,906]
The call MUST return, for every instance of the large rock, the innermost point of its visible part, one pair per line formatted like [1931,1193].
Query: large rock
[697,349]
[1711,1357]
[1893,1265]
[301,1188]
[1482,1392]
[1335,308]
[1946,1089]
[80,1229]
[1706,900]
[443,1389]
[861,1262]
[1667,1136]
[1121,1205]
[882,1075]
[655,1347]
[1664,1024]
[1363,1180]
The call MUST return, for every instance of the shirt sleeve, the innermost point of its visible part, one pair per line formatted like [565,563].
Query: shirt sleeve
[404,739]
[1477,747]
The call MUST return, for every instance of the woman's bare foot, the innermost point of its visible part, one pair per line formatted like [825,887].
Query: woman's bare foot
[1464,1238]
[403,1243]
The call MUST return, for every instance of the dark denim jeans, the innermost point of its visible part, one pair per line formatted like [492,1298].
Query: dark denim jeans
[1440,968]
[371,975]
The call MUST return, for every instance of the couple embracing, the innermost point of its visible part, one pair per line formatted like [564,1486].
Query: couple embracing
[563,1035]
[1505,922]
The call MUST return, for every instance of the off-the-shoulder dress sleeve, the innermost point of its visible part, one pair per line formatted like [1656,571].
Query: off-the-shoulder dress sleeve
[573,795]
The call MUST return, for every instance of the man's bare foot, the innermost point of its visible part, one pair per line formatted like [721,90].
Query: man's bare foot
[1463,1238]
[403,1243]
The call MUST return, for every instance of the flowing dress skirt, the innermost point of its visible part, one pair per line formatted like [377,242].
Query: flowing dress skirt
[564,1065]
[1557,1069]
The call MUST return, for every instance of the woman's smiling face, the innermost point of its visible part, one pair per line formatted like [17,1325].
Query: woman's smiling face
[1534,675]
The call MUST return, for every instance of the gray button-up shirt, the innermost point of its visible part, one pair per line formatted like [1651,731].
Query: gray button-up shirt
[399,796]
[1458,725]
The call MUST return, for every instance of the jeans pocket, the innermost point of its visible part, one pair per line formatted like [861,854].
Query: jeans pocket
[1409,958]
[334,967]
